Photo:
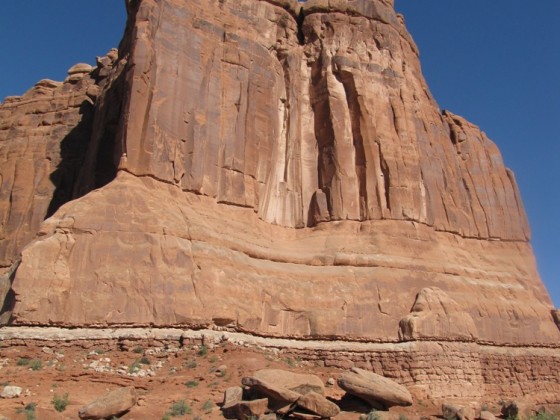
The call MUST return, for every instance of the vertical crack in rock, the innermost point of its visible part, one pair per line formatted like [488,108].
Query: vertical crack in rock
[347,80]
[386,175]
[299,20]
[324,131]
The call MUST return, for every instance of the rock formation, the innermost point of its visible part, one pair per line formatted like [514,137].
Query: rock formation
[282,170]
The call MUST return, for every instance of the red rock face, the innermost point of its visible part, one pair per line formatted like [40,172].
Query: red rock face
[287,174]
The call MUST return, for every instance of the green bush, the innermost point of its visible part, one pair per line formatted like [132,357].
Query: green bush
[134,367]
[191,364]
[23,361]
[180,408]
[543,416]
[192,384]
[36,364]
[59,403]
[29,411]
[203,351]
[207,407]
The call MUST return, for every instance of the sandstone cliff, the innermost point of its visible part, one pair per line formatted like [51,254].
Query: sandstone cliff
[287,173]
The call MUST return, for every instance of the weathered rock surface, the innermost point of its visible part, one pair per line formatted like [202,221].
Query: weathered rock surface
[297,382]
[455,412]
[486,415]
[247,410]
[45,138]
[556,316]
[318,404]
[435,315]
[392,196]
[232,396]
[272,391]
[374,388]
[281,173]
[111,404]
[10,391]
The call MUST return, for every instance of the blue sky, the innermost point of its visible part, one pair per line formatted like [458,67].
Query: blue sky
[494,62]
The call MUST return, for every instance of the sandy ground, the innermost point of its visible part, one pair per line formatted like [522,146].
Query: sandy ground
[162,376]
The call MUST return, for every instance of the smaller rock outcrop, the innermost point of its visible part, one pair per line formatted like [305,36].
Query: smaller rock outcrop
[11,391]
[486,415]
[277,395]
[374,389]
[232,396]
[318,404]
[298,382]
[455,412]
[435,315]
[247,409]
[285,393]
[111,404]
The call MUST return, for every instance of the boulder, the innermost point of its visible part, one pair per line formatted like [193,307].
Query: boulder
[232,396]
[11,391]
[455,412]
[318,404]
[374,388]
[111,404]
[282,396]
[298,382]
[80,68]
[486,415]
[248,409]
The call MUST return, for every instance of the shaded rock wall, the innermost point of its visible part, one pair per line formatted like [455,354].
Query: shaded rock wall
[50,152]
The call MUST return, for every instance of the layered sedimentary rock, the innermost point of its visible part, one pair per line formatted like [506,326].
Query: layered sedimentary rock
[287,173]
[45,137]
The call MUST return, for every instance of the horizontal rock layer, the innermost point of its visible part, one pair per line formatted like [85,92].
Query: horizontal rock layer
[139,251]
[436,371]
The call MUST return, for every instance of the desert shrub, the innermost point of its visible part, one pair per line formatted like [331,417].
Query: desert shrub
[207,406]
[192,383]
[180,408]
[36,364]
[144,361]
[28,411]
[60,402]
[134,367]
[191,364]
[541,415]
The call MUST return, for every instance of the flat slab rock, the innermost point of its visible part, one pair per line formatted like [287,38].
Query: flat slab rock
[298,382]
[277,394]
[247,409]
[111,404]
[374,388]
[318,404]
